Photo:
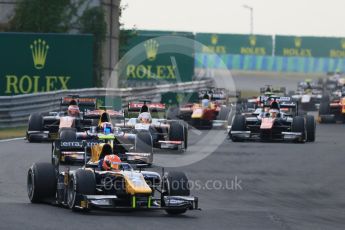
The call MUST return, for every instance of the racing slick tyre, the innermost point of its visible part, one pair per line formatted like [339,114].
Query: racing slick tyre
[224,114]
[311,127]
[68,134]
[238,124]
[83,182]
[185,127]
[35,124]
[41,182]
[176,184]
[324,111]
[324,108]
[298,126]
[173,112]
[178,132]
[144,144]
[327,119]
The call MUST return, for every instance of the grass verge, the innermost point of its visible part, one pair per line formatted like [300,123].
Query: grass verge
[6,133]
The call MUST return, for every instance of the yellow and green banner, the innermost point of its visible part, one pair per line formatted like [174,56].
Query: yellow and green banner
[294,46]
[153,57]
[235,44]
[34,62]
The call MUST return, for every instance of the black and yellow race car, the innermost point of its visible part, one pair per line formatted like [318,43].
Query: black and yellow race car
[118,188]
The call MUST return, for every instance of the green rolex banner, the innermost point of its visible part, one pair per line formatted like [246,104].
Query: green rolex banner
[33,62]
[153,60]
[235,44]
[310,46]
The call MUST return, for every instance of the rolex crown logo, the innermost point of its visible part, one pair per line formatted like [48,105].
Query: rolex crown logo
[179,98]
[342,43]
[214,39]
[151,47]
[252,40]
[298,42]
[39,50]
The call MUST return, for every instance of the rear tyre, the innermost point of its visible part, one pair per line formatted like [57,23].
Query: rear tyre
[144,144]
[41,182]
[324,108]
[185,127]
[177,132]
[176,184]
[311,127]
[68,134]
[173,113]
[35,124]
[223,114]
[238,124]
[298,126]
[82,182]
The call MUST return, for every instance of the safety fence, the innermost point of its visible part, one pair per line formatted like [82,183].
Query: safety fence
[15,110]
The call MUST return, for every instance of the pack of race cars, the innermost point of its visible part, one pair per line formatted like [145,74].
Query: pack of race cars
[113,147]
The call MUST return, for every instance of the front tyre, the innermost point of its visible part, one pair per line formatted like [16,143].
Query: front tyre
[176,184]
[83,182]
[41,182]
[311,127]
[238,124]
[298,126]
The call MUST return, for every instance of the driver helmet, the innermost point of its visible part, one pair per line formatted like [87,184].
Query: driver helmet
[73,110]
[111,162]
[145,118]
[107,128]
[273,113]
[274,109]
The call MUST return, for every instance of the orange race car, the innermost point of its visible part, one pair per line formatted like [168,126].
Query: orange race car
[211,111]
[332,111]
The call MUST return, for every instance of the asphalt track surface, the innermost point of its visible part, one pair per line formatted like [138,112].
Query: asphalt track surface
[281,186]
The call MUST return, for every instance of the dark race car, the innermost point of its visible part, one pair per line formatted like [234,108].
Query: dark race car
[308,95]
[333,110]
[46,126]
[149,117]
[276,120]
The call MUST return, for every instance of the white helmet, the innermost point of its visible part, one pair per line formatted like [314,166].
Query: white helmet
[146,116]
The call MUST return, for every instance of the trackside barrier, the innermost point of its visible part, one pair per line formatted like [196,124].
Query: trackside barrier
[15,110]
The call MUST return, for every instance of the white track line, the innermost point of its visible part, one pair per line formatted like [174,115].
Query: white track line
[12,139]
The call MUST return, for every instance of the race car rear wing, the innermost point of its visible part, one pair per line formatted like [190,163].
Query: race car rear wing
[153,107]
[82,102]
[270,89]
[284,103]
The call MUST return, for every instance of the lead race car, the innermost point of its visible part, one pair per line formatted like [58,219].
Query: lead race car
[276,120]
[108,183]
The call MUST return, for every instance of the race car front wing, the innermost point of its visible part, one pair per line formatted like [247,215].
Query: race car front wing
[137,202]
[247,135]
